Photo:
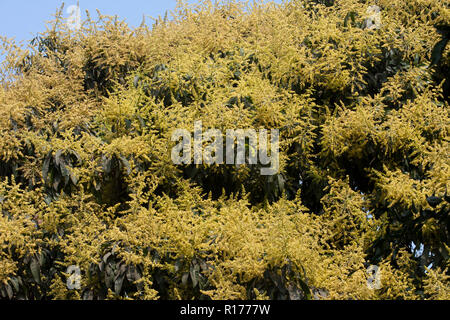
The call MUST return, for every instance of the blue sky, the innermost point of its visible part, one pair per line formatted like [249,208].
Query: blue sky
[23,19]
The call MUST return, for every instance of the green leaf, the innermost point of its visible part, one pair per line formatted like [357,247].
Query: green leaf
[132,274]
[109,277]
[118,283]
[106,164]
[305,289]
[126,164]
[46,165]
[106,257]
[194,272]
[128,123]
[184,278]
[15,283]
[73,178]
[58,157]
[88,295]
[35,270]
[64,171]
[178,264]
[76,155]
[9,291]
[42,259]
[434,201]
[56,182]
[438,51]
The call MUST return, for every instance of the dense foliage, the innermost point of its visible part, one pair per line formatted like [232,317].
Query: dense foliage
[86,119]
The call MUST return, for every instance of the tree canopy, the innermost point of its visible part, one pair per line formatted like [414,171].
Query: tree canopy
[362,106]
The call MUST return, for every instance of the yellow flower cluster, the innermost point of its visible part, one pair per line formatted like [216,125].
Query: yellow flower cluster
[87,179]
